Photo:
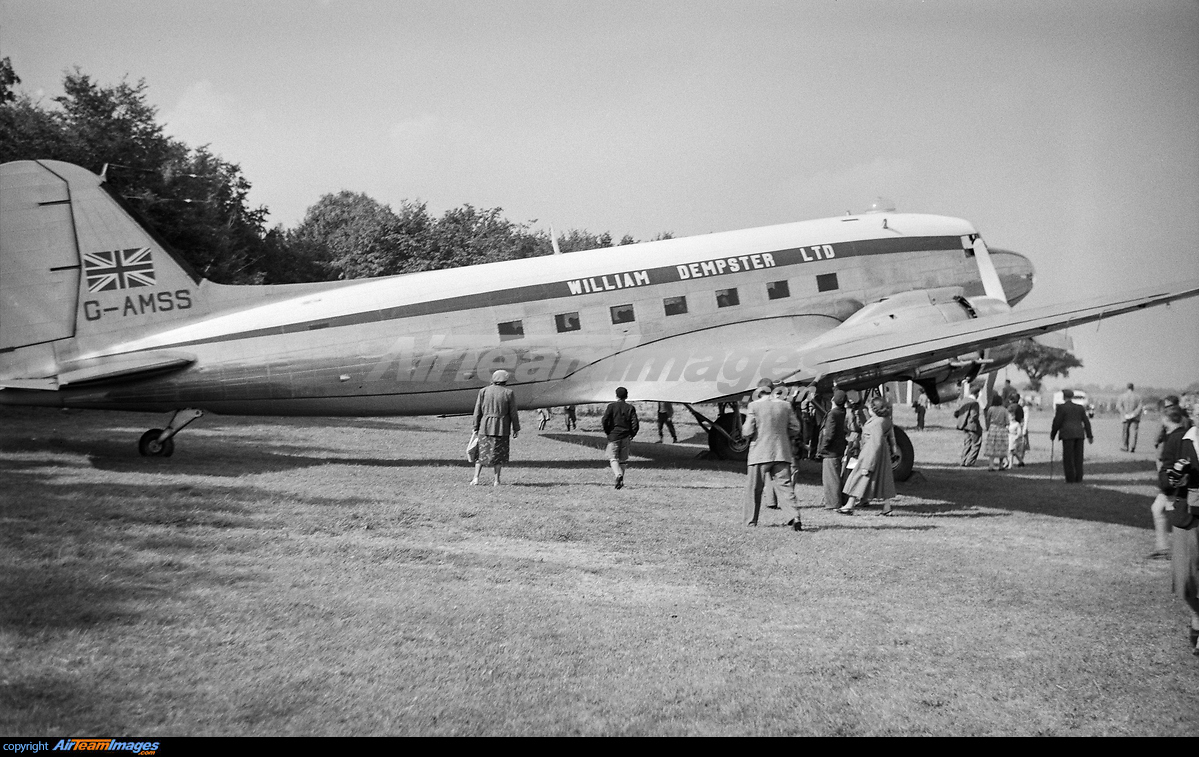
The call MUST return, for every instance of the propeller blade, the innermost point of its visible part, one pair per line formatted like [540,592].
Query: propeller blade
[986,270]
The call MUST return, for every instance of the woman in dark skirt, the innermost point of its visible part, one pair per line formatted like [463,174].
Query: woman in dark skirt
[495,419]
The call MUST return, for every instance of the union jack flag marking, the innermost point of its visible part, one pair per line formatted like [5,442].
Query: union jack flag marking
[118,269]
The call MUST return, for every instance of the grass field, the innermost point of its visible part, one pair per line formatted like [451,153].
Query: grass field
[338,577]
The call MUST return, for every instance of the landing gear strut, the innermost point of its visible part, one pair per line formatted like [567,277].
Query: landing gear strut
[724,434]
[158,442]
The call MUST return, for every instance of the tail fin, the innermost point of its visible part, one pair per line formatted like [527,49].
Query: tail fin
[77,270]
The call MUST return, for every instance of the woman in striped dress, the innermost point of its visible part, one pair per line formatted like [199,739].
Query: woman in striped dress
[996,421]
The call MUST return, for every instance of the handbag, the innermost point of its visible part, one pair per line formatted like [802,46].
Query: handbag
[1181,515]
[472,448]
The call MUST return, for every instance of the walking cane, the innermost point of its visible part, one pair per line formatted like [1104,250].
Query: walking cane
[1050,459]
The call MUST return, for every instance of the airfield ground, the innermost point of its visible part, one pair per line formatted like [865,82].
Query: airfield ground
[338,577]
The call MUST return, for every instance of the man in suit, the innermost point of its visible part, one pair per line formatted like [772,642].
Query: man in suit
[1131,409]
[1072,424]
[968,423]
[830,449]
[770,425]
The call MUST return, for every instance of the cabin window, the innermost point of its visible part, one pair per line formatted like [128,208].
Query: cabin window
[511,330]
[674,305]
[567,322]
[726,298]
[827,282]
[623,314]
[777,290]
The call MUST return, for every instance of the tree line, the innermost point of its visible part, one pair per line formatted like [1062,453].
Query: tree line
[199,202]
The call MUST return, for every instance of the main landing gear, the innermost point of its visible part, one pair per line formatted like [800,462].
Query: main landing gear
[901,467]
[724,434]
[727,443]
[159,442]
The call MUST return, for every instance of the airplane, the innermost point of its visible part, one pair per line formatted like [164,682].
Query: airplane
[97,311]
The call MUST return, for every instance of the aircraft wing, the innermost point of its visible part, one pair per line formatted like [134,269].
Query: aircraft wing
[890,354]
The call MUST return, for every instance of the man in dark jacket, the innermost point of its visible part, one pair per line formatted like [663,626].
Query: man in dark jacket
[1071,423]
[621,425]
[830,449]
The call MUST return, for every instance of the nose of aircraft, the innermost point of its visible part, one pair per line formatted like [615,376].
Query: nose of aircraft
[1016,273]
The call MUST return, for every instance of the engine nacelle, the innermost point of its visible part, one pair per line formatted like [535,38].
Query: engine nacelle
[928,308]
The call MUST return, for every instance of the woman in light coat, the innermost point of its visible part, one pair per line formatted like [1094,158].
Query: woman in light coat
[872,477]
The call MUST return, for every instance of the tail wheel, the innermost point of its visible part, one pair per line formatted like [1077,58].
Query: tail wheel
[902,468]
[149,446]
[736,448]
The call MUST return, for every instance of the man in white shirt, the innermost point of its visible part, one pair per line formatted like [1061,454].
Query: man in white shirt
[1131,408]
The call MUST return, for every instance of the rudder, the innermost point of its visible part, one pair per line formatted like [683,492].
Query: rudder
[77,270]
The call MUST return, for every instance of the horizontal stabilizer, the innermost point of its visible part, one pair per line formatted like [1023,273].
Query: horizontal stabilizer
[38,384]
[123,367]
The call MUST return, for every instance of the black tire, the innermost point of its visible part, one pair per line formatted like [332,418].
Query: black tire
[148,445]
[902,468]
[735,449]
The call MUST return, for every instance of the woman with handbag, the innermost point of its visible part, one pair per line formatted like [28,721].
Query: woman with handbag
[872,476]
[495,419]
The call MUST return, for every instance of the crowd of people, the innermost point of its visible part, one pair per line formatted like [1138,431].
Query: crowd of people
[856,445]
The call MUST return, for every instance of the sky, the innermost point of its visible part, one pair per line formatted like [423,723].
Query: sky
[1066,131]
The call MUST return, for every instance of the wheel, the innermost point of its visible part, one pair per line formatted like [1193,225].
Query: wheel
[902,468]
[735,449]
[149,445]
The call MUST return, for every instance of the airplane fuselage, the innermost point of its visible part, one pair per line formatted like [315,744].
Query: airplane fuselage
[729,307]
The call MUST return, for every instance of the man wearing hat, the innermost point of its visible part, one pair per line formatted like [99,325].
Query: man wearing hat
[770,425]
[1071,423]
[830,449]
[495,418]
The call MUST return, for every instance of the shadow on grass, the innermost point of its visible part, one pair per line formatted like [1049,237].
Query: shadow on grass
[1025,491]
[78,555]
[964,489]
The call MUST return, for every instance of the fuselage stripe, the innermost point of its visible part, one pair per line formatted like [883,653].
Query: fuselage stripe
[595,284]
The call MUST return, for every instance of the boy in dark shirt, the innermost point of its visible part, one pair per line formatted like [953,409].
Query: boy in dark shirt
[621,425]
